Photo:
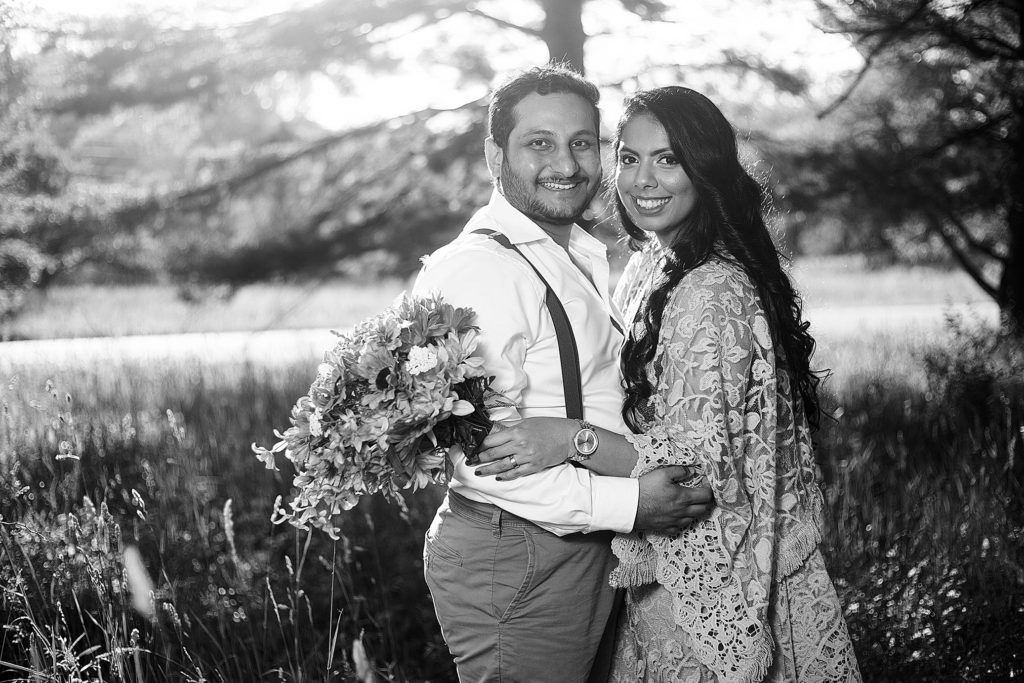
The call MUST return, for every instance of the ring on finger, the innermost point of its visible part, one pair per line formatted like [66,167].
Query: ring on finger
[512,461]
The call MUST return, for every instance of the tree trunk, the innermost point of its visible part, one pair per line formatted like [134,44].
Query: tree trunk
[563,31]
[1011,281]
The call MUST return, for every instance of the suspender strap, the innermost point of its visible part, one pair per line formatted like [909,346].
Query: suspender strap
[568,353]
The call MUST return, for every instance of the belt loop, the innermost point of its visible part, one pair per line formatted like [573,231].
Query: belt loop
[496,522]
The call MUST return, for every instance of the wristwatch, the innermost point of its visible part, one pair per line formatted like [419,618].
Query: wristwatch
[585,442]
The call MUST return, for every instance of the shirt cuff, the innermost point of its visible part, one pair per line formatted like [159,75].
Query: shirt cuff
[615,501]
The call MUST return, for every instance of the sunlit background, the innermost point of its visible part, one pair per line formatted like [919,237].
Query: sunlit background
[193,194]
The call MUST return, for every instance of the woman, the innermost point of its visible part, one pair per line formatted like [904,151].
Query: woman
[717,359]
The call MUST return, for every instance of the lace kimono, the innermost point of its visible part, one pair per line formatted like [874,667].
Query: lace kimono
[744,595]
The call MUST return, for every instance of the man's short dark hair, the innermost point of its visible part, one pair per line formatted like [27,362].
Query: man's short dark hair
[543,80]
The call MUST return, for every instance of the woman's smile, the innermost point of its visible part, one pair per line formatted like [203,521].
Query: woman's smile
[650,206]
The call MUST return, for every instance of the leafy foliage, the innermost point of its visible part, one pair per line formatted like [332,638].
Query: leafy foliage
[925,155]
[177,163]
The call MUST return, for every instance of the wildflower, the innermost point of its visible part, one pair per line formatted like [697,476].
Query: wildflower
[229,531]
[66,451]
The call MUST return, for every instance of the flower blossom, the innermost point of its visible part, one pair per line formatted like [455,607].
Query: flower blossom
[315,427]
[421,359]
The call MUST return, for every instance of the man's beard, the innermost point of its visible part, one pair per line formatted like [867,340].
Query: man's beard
[523,197]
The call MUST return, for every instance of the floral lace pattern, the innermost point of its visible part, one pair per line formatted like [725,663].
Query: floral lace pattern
[746,589]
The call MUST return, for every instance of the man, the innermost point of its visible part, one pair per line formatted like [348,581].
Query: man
[518,570]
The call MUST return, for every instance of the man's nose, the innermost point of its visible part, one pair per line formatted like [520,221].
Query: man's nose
[564,162]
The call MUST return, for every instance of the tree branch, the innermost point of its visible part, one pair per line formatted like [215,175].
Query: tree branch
[505,23]
[936,199]
[848,92]
[961,257]
[972,241]
[881,46]
[966,134]
[210,193]
[998,49]
[261,168]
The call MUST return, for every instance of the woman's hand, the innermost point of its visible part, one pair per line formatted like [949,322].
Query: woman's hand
[534,444]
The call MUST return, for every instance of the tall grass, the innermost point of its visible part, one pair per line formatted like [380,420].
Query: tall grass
[925,494]
[149,457]
[923,484]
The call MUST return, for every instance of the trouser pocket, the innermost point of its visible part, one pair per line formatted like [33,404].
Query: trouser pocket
[512,571]
[436,549]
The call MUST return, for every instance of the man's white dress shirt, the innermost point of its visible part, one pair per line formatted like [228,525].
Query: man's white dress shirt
[520,349]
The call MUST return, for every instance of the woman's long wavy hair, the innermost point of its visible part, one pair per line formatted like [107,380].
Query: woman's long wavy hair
[727,221]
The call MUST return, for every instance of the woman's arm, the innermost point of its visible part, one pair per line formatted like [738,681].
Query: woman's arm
[537,443]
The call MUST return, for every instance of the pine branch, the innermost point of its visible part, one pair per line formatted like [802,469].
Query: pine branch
[883,44]
[997,49]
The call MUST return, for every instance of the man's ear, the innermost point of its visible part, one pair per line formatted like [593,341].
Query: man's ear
[495,155]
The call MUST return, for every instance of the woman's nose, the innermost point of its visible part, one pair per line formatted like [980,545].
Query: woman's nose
[644,177]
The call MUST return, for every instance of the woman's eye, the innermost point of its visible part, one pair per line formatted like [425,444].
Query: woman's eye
[669,160]
[627,159]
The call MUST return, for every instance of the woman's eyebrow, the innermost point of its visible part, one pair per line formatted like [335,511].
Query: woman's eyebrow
[661,150]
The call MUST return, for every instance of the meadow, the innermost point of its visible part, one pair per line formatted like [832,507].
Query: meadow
[136,543]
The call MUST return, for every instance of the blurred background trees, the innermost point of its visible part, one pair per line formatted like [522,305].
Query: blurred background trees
[927,161]
[162,146]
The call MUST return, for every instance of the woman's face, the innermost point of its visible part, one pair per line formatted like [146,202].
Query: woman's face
[650,181]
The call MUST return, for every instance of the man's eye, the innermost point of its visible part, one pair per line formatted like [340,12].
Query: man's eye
[539,144]
[581,144]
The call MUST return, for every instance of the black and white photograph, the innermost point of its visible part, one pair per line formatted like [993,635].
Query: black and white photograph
[533,341]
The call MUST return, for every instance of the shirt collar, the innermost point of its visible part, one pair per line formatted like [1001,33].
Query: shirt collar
[519,229]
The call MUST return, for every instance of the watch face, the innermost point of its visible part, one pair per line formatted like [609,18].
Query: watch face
[585,441]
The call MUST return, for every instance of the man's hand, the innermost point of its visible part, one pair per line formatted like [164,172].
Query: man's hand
[666,506]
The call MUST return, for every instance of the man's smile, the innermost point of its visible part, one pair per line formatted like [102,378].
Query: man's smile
[560,185]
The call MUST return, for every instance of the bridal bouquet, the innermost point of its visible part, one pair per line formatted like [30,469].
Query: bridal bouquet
[388,401]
